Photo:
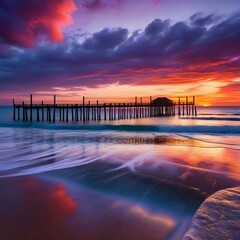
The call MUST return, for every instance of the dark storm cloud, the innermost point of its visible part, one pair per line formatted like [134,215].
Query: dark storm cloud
[172,53]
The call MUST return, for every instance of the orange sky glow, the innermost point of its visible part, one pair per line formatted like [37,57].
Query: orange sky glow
[77,48]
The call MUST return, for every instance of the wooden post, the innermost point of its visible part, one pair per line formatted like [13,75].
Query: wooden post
[115,112]
[83,110]
[88,113]
[67,114]
[60,113]
[93,107]
[14,111]
[76,113]
[49,113]
[31,107]
[23,112]
[105,114]
[195,111]
[18,113]
[179,106]
[26,112]
[37,112]
[129,110]
[193,101]
[42,112]
[135,108]
[118,111]
[79,113]
[54,108]
[150,107]
[140,107]
[97,112]
[109,112]
[72,113]
[187,105]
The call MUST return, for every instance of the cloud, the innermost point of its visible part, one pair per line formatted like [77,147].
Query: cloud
[23,23]
[231,88]
[155,27]
[199,19]
[106,39]
[95,5]
[163,53]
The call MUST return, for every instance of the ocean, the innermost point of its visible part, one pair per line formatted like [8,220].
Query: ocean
[124,179]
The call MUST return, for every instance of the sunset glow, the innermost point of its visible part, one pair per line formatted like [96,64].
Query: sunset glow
[106,50]
[119,119]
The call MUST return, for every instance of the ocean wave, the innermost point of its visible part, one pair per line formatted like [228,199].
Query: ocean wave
[208,141]
[215,118]
[131,128]
[219,114]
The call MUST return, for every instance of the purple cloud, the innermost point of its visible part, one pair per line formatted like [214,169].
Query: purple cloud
[95,5]
[162,53]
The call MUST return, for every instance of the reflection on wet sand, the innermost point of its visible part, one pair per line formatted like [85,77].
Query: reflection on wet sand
[171,174]
[206,170]
[30,209]
[174,140]
[36,208]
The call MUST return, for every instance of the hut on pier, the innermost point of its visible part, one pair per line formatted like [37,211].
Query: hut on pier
[163,106]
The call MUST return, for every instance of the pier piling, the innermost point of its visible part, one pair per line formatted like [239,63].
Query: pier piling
[14,110]
[31,107]
[106,111]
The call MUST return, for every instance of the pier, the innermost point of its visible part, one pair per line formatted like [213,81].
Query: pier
[87,111]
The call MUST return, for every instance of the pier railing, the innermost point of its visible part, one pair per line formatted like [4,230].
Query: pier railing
[87,111]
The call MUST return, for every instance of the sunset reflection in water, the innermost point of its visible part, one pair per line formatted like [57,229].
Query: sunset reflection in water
[39,208]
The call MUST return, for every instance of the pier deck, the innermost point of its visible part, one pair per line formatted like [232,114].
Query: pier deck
[100,111]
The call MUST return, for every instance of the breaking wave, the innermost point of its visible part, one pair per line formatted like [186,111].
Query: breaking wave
[131,128]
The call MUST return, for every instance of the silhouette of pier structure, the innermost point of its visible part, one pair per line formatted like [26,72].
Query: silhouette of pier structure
[87,111]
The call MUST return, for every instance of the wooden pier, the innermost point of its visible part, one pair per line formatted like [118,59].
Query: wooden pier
[87,111]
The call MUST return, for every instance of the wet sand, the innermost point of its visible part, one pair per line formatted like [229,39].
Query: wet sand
[78,184]
[37,207]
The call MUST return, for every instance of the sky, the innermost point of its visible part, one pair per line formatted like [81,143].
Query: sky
[114,50]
